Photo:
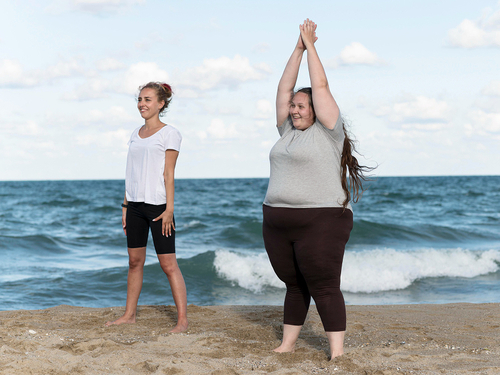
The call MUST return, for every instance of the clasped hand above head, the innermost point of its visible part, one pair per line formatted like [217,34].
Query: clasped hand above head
[308,33]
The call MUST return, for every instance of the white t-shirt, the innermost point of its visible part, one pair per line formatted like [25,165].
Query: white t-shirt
[146,163]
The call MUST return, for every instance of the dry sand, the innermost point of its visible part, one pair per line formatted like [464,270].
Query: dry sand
[403,339]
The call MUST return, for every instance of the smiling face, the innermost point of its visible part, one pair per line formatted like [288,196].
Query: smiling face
[148,103]
[301,111]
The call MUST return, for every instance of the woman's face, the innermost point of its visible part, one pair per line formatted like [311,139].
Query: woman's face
[148,103]
[301,112]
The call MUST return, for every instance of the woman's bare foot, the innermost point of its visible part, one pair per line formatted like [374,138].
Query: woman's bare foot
[284,349]
[336,340]
[122,320]
[290,336]
[336,354]
[182,325]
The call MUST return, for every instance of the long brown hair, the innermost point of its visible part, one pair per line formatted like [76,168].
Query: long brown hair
[348,163]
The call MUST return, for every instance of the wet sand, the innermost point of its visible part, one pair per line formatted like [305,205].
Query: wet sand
[224,340]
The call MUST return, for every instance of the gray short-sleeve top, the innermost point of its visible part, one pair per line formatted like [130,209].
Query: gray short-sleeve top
[305,167]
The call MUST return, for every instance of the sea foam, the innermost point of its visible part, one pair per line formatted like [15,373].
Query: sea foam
[387,269]
[252,272]
[368,271]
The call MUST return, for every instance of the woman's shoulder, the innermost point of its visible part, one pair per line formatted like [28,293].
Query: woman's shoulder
[171,138]
[135,132]
[170,130]
[286,126]
[336,134]
[339,125]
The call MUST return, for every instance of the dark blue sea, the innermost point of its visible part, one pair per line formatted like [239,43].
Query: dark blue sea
[415,240]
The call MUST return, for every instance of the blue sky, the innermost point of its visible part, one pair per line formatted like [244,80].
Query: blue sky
[418,82]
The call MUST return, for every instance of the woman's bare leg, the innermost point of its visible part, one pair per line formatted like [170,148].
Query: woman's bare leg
[336,340]
[290,336]
[137,258]
[168,263]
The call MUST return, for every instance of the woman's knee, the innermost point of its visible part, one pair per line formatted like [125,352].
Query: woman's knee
[168,264]
[136,258]
[135,263]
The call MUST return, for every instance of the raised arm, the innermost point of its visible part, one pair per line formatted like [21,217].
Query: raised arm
[287,82]
[325,107]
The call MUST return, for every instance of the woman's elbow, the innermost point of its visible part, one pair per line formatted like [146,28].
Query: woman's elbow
[168,176]
[322,84]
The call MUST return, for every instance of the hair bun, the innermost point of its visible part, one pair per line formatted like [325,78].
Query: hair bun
[167,87]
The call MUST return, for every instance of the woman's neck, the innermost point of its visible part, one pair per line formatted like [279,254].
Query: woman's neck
[153,123]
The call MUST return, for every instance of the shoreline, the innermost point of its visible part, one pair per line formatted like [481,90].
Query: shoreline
[458,338]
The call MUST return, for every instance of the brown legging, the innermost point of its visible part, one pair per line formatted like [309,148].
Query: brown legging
[306,249]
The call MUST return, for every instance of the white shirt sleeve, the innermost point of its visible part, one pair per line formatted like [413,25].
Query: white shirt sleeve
[173,139]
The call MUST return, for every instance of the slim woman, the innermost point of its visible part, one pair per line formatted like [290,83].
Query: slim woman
[149,201]
[307,214]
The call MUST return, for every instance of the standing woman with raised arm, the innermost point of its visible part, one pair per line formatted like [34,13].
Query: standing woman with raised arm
[149,200]
[307,214]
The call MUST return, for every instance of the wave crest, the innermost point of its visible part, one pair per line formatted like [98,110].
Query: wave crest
[252,272]
[388,269]
[368,271]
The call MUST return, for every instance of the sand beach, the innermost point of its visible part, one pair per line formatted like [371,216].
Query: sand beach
[387,339]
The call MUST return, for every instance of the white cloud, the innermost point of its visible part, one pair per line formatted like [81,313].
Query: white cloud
[219,130]
[488,103]
[214,73]
[24,128]
[261,48]
[93,88]
[493,89]
[140,74]
[28,149]
[222,109]
[482,32]
[153,39]
[355,54]
[264,109]
[115,115]
[127,82]
[223,72]
[115,139]
[109,64]
[264,123]
[419,112]
[62,69]
[202,134]
[103,6]
[186,93]
[30,127]
[12,74]
[484,124]
[111,118]
[95,7]
[267,144]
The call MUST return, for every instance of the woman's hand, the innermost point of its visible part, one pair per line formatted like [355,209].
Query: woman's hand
[300,44]
[167,222]
[307,33]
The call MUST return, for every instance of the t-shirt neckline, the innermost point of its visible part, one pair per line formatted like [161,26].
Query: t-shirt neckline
[139,136]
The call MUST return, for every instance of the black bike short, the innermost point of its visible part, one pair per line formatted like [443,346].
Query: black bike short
[140,217]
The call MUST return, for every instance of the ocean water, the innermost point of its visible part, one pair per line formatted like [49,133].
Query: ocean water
[415,240]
